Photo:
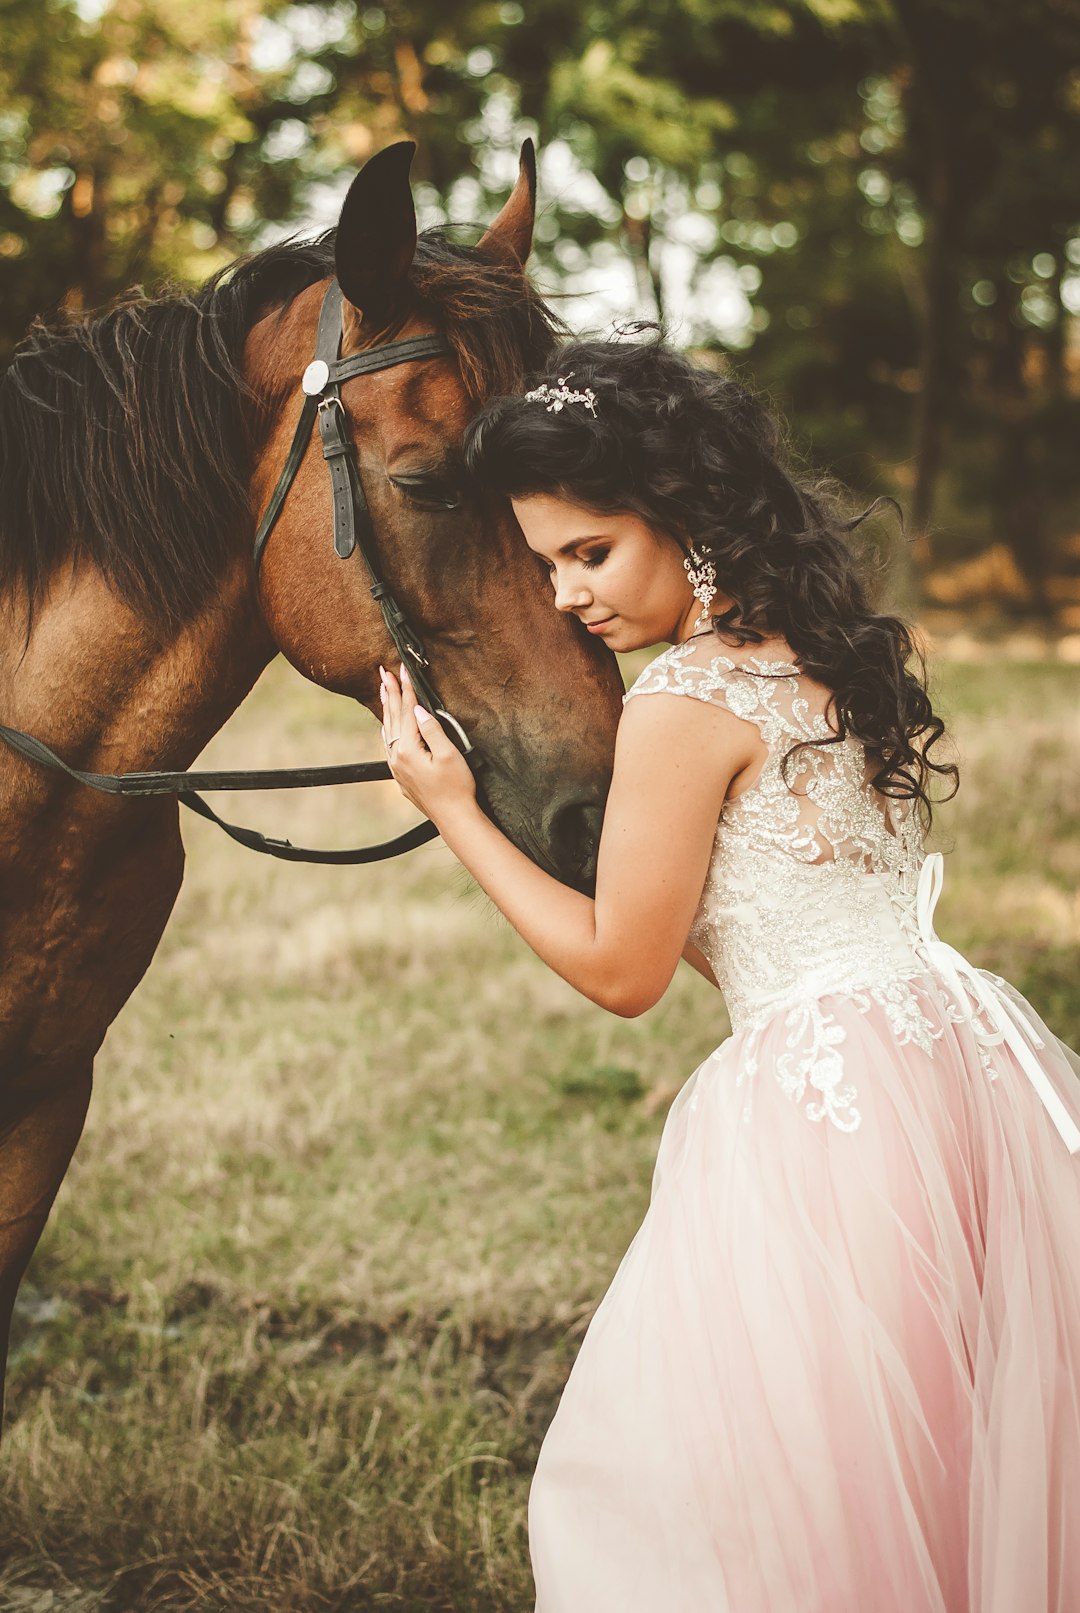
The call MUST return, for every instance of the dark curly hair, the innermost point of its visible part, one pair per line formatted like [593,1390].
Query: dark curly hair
[696,455]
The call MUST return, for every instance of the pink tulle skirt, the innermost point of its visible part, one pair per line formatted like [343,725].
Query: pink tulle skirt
[836,1371]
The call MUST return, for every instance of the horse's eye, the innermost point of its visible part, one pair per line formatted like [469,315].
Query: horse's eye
[428,492]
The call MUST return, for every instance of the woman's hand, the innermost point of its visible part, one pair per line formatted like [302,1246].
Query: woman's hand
[425,762]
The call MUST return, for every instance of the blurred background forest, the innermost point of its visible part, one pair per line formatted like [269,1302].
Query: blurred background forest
[870,206]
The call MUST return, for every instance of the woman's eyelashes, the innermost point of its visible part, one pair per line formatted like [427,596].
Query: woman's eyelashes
[589,562]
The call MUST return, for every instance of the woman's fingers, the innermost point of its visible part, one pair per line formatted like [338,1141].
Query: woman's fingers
[423,758]
[413,718]
[433,733]
[401,704]
[408,705]
[400,709]
[391,706]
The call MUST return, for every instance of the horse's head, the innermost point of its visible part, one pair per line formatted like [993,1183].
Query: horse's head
[535,694]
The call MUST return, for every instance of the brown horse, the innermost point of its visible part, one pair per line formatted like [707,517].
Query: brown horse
[137,450]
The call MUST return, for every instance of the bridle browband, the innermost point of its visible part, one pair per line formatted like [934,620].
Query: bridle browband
[353,529]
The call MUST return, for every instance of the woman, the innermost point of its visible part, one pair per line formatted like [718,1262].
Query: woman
[838,1369]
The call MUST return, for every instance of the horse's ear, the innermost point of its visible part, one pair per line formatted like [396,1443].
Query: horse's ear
[376,233]
[510,234]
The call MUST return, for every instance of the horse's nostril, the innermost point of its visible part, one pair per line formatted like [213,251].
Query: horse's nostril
[572,830]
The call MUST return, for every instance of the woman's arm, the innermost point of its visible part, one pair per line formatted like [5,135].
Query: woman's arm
[674,758]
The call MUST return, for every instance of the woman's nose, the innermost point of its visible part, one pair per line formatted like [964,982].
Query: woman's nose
[569,597]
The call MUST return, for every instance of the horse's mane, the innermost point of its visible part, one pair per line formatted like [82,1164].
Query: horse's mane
[126,438]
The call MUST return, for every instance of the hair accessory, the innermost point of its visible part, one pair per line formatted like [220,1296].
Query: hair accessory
[557,396]
[702,575]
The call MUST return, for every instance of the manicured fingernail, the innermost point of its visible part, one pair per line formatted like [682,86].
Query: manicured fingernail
[382,673]
[382,692]
[404,673]
[421,715]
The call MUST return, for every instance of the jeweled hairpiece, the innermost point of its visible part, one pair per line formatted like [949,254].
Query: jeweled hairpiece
[556,397]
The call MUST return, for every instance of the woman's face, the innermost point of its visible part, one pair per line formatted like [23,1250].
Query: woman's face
[619,576]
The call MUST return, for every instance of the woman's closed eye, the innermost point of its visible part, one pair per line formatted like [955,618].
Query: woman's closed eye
[589,562]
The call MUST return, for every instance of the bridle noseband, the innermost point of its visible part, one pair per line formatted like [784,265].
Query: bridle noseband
[321,384]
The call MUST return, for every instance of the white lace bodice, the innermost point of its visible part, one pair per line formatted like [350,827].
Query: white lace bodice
[812,882]
[819,901]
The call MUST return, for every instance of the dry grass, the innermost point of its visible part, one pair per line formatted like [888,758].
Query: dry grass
[357,1171]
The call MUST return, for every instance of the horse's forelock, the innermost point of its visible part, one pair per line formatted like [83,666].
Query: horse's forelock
[494,318]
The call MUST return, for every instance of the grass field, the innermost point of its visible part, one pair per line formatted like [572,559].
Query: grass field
[357,1171]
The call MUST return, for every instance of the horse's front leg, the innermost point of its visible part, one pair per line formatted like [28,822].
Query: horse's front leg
[37,1141]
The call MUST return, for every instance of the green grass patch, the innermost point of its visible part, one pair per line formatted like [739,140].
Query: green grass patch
[357,1171]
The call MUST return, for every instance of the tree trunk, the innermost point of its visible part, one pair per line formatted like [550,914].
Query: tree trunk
[639,238]
[939,303]
[1021,500]
[87,206]
[940,95]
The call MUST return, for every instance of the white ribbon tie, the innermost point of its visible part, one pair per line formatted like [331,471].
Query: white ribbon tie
[1010,1024]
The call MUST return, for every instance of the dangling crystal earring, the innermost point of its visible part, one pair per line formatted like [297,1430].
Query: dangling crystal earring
[702,575]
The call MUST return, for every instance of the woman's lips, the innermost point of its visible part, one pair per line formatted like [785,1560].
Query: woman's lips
[596,627]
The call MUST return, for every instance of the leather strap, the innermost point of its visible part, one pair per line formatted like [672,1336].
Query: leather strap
[373,359]
[409,351]
[353,527]
[294,459]
[287,852]
[333,426]
[284,778]
[183,785]
[337,451]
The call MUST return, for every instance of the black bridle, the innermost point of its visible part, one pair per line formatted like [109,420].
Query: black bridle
[321,383]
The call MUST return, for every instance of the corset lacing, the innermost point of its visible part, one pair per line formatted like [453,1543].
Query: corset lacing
[982,1003]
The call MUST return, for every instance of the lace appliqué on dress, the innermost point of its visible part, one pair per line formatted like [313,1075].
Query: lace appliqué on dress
[820,1065]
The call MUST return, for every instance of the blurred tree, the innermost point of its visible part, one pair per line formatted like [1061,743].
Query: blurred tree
[150,139]
[991,150]
[123,145]
[891,183]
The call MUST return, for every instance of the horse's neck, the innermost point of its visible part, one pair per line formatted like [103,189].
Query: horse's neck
[103,688]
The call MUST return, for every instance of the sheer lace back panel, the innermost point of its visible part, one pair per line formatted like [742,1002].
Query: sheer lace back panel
[813,872]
